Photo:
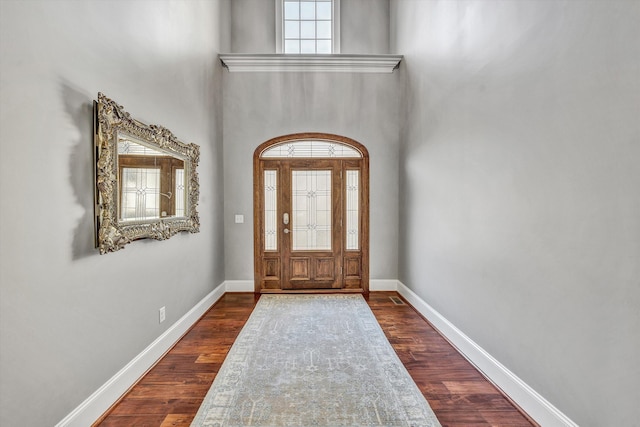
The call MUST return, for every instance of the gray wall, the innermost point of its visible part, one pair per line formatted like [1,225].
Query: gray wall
[364,26]
[260,106]
[69,317]
[521,188]
[253,26]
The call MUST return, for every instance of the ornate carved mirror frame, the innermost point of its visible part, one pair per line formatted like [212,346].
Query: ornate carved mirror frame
[113,126]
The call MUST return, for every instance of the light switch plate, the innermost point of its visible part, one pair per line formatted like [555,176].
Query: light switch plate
[239,219]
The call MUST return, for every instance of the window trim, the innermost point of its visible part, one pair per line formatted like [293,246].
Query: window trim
[335,27]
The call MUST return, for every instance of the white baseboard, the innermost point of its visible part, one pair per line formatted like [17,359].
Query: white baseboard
[383,285]
[102,399]
[538,408]
[239,285]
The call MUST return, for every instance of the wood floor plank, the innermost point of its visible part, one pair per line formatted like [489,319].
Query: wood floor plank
[470,387]
[133,420]
[155,406]
[177,420]
[171,392]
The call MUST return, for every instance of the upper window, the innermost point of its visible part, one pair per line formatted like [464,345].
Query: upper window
[307,26]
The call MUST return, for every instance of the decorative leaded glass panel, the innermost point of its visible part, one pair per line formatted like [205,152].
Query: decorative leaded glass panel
[127,146]
[311,148]
[140,194]
[311,219]
[353,214]
[270,210]
[179,192]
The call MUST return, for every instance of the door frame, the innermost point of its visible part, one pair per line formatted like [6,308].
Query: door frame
[349,258]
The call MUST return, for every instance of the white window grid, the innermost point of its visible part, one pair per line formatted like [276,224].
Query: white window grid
[304,27]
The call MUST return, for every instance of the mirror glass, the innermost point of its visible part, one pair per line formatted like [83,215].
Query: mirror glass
[146,180]
[150,182]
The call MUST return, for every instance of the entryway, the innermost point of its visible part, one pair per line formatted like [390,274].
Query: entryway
[311,214]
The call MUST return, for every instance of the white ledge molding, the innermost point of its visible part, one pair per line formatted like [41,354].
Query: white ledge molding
[336,63]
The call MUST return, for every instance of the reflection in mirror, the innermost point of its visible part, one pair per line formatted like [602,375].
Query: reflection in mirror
[151,182]
[146,180]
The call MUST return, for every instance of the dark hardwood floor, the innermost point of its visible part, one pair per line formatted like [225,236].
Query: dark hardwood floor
[457,392]
[172,391]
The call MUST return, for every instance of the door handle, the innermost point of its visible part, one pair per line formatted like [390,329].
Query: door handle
[286,231]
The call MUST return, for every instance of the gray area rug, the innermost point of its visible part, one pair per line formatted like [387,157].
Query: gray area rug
[313,360]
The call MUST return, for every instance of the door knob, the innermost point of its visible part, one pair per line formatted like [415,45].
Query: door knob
[286,231]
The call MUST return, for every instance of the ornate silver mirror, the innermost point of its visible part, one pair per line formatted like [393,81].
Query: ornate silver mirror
[146,180]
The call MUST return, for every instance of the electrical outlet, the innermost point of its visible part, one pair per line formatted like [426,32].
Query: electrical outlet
[163,314]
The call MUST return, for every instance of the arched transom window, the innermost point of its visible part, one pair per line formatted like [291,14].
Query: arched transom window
[311,149]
